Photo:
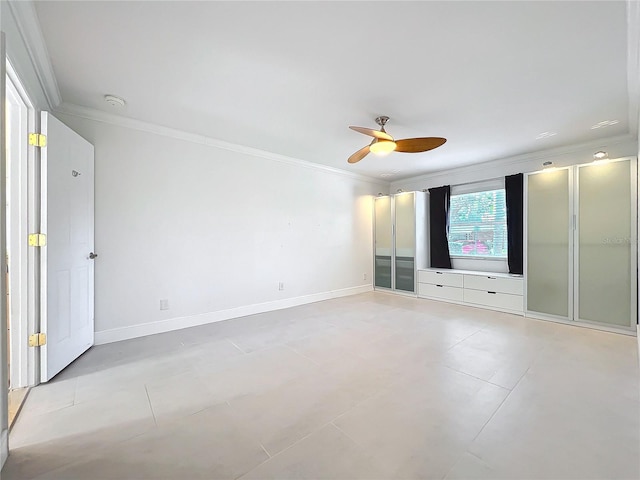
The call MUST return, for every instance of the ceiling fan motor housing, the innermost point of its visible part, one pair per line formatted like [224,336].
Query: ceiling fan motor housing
[382,120]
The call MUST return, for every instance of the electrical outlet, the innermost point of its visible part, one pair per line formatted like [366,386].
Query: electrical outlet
[364,276]
[280,285]
[164,304]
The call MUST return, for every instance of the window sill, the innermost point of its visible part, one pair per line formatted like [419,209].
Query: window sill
[469,257]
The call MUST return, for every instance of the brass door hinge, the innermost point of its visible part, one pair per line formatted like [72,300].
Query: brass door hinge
[37,140]
[37,339]
[37,239]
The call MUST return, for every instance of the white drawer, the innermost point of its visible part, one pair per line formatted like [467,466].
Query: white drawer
[513,286]
[442,292]
[496,300]
[440,277]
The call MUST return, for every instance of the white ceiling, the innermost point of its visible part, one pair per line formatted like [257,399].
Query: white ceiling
[289,77]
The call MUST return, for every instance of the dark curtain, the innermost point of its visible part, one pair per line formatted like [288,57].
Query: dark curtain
[439,201]
[514,185]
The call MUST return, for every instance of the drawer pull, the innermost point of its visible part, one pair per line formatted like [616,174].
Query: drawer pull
[493,293]
[438,285]
[491,278]
[438,273]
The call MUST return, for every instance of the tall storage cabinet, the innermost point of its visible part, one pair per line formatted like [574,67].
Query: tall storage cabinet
[605,255]
[581,235]
[549,266]
[383,242]
[400,240]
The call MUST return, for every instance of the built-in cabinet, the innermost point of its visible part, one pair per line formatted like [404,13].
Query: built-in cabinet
[581,237]
[400,240]
[580,250]
[495,291]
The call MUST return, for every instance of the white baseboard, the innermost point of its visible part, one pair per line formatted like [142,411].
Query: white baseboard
[144,329]
[4,447]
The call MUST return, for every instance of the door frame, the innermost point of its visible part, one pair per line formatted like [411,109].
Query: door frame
[25,292]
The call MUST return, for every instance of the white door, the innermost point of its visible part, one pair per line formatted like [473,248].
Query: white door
[67,260]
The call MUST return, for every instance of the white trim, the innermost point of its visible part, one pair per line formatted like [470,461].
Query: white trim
[33,224]
[4,399]
[144,329]
[44,195]
[29,26]
[18,230]
[4,447]
[120,121]
[576,323]
[516,164]
[633,63]
[17,83]
[476,187]
[474,257]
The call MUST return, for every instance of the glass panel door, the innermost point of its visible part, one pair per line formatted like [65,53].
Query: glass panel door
[383,242]
[605,240]
[549,234]
[405,220]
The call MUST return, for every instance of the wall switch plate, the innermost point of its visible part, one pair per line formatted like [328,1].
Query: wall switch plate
[280,285]
[164,304]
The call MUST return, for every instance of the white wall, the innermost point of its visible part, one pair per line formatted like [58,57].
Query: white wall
[213,230]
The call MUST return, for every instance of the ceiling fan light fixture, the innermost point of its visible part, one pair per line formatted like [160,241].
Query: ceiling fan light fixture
[382,147]
[383,143]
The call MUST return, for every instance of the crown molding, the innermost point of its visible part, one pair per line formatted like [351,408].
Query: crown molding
[633,64]
[519,160]
[24,13]
[125,122]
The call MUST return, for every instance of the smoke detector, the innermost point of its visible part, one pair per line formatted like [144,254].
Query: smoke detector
[114,101]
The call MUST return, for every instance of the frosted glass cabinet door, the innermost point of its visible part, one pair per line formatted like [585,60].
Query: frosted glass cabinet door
[383,239]
[605,242]
[548,236]
[405,241]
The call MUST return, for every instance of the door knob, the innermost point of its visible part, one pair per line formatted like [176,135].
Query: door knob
[93,255]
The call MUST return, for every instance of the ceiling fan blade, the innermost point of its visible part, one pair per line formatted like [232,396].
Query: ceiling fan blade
[359,155]
[415,145]
[372,133]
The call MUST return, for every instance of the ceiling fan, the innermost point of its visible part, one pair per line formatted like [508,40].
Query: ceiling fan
[383,143]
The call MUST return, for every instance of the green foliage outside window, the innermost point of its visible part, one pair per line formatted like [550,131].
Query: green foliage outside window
[478,224]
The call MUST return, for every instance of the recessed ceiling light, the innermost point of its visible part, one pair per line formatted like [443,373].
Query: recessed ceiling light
[604,123]
[601,155]
[545,135]
[114,101]
[547,164]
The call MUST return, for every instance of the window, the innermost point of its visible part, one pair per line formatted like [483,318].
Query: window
[478,224]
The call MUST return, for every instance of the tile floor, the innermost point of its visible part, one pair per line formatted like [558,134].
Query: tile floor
[363,387]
